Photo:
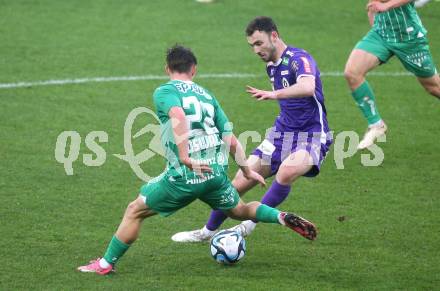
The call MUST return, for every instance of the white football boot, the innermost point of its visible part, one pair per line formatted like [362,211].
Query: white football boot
[245,228]
[198,235]
[373,132]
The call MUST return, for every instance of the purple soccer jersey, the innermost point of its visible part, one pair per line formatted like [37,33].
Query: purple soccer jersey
[306,114]
[302,122]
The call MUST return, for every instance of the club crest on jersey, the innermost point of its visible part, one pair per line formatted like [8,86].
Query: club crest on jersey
[285,83]
[285,61]
[295,66]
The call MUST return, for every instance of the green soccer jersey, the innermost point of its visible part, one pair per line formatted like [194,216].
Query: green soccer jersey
[207,123]
[399,24]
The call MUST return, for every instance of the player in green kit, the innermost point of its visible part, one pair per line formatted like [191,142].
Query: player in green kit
[396,31]
[197,138]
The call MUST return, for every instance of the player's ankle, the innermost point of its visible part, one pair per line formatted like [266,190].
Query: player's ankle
[249,224]
[208,232]
[378,123]
[281,218]
[103,263]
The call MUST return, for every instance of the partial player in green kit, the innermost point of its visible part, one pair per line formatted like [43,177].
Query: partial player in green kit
[396,31]
[197,138]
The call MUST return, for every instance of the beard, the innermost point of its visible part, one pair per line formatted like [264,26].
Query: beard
[269,55]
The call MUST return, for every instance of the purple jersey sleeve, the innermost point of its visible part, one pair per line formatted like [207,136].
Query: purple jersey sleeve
[303,65]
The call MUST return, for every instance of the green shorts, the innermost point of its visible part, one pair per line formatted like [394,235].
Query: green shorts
[165,196]
[414,55]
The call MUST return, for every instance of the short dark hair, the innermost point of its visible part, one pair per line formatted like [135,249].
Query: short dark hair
[261,23]
[180,59]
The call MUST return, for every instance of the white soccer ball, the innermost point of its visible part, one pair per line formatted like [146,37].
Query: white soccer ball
[228,247]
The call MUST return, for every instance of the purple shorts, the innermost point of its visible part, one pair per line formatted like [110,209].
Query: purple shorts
[279,145]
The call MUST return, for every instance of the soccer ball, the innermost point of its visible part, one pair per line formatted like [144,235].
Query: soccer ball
[228,247]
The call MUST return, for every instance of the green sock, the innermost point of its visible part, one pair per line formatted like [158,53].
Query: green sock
[115,250]
[365,99]
[267,214]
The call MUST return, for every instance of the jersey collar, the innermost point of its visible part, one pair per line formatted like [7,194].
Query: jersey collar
[278,62]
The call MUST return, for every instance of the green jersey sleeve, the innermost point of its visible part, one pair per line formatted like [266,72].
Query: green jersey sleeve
[166,97]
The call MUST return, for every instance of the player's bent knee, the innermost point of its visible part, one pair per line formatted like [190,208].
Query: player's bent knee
[286,179]
[348,74]
[238,212]
[137,209]
[131,208]
[288,176]
[354,79]
[233,213]
[433,90]
[431,85]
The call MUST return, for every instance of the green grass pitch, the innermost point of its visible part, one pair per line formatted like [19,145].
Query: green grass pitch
[50,222]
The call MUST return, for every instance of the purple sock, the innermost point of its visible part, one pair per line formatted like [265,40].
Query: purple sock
[276,194]
[216,219]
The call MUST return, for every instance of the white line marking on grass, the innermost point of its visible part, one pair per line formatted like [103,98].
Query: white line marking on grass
[377,74]
[162,77]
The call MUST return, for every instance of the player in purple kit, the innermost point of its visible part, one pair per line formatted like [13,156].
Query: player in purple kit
[299,140]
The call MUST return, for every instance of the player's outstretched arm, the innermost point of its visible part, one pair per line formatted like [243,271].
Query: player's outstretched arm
[305,87]
[181,133]
[237,152]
